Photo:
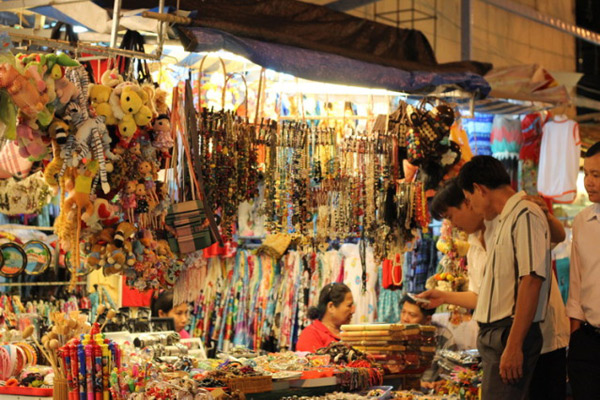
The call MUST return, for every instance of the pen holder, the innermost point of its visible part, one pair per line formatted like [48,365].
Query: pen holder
[61,389]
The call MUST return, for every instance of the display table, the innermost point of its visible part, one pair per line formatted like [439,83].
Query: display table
[21,397]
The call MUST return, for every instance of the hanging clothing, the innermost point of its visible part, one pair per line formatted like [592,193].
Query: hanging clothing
[365,301]
[479,129]
[559,160]
[529,155]
[388,304]
[506,143]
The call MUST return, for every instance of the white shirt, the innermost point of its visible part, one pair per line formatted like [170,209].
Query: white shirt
[559,160]
[584,278]
[555,327]
[520,246]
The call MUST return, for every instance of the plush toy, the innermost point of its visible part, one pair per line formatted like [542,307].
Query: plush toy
[80,196]
[127,126]
[105,110]
[143,116]
[130,100]
[111,78]
[92,138]
[31,145]
[160,101]
[22,92]
[65,90]
[105,215]
[164,250]
[99,94]
[117,100]
[96,257]
[125,232]
[150,93]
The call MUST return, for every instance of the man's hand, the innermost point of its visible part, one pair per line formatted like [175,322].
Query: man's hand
[436,298]
[511,365]
[539,201]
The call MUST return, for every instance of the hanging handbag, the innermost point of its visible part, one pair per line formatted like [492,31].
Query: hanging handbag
[192,221]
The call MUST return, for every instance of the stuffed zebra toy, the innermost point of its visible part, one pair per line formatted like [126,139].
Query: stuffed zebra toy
[87,141]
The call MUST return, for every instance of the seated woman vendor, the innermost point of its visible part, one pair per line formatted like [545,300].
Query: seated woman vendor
[335,308]
[162,307]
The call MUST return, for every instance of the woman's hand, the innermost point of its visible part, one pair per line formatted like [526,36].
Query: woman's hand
[436,298]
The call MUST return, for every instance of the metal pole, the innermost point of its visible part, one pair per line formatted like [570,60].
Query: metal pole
[115,24]
[161,25]
[465,29]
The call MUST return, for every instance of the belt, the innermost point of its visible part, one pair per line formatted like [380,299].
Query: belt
[591,329]
[503,323]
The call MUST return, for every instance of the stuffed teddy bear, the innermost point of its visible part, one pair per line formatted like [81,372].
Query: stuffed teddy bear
[130,100]
[105,110]
[99,94]
[96,257]
[143,116]
[111,78]
[127,126]
[117,100]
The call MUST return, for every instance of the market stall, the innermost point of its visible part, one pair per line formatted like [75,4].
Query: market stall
[242,196]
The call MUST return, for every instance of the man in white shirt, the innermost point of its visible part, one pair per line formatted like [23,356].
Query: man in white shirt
[549,378]
[515,285]
[583,304]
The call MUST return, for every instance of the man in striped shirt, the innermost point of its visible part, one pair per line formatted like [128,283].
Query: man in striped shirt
[514,290]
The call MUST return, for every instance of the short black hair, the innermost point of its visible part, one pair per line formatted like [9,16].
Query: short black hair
[592,151]
[449,195]
[483,170]
[427,312]
[163,302]
[334,292]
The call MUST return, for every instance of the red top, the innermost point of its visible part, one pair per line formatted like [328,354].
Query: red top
[315,336]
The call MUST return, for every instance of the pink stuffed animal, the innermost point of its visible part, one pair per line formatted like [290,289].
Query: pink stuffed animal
[22,92]
[31,144]
[65,90]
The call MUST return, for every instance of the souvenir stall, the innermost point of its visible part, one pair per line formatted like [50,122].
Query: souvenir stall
[245,217]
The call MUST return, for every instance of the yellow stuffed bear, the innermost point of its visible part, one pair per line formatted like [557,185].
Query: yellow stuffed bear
[130,100]
[99,94]
[143,117]
[127,126]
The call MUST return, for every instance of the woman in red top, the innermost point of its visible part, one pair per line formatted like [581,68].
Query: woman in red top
[335,308]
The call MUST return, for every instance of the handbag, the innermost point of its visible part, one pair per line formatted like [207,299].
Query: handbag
[189,222]
[192,223]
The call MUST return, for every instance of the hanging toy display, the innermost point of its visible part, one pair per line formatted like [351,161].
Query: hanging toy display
[102,145]
[452,270]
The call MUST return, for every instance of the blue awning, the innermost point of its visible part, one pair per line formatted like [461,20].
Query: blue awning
[331,68]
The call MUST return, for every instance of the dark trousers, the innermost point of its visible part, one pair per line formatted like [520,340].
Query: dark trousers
[583,364]
[549,381]
[491,343]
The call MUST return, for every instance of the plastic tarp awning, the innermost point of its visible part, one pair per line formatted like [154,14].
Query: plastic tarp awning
[325,67]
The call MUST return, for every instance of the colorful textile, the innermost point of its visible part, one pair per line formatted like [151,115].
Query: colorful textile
[479,130]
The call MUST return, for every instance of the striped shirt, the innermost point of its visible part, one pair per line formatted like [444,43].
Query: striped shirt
[519,246]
